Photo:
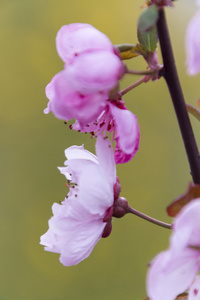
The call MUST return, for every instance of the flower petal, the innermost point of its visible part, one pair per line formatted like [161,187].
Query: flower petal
[73,232]
[128,134]
[193,45]
[105,155]
[169,276]
[78,223]
[187,225]
[79,152]
[194,292]
[96,192]
[81,242]
[49,240]
[68,103]
[78,159]
[77,38]
[94,72]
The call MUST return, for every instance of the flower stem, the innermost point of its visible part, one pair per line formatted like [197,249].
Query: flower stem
[148,218]
[132,86]
[193,111]
[172,80]
[136,72]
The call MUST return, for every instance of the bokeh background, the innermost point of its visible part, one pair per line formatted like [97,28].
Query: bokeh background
[32,146]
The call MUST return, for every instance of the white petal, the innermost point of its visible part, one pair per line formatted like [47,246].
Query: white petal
[105,155]
[80,244]
[169,276]
[187,224]
[194,292]
[78,152]
[95,191]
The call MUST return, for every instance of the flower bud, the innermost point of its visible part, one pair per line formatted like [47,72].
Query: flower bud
[120,207]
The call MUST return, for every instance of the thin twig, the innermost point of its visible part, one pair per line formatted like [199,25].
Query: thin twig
[132,86]
[136,72]
[148,218]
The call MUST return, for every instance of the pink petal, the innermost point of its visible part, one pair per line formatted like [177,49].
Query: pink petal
[120,156]
[187,225]
[94,72]
[169,276]
[193,45]
[49,91]
[128,134]
[56,103]
[77,38]
[69,103]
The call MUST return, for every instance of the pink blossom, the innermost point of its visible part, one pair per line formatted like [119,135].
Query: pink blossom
[193,45]
[92,69]
[117,120]
[173,271]
[85,214]
[82,91]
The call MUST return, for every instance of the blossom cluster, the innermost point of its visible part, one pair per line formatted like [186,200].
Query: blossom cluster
[87,91]
[87,87]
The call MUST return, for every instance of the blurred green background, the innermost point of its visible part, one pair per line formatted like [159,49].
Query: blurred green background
[32,146]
